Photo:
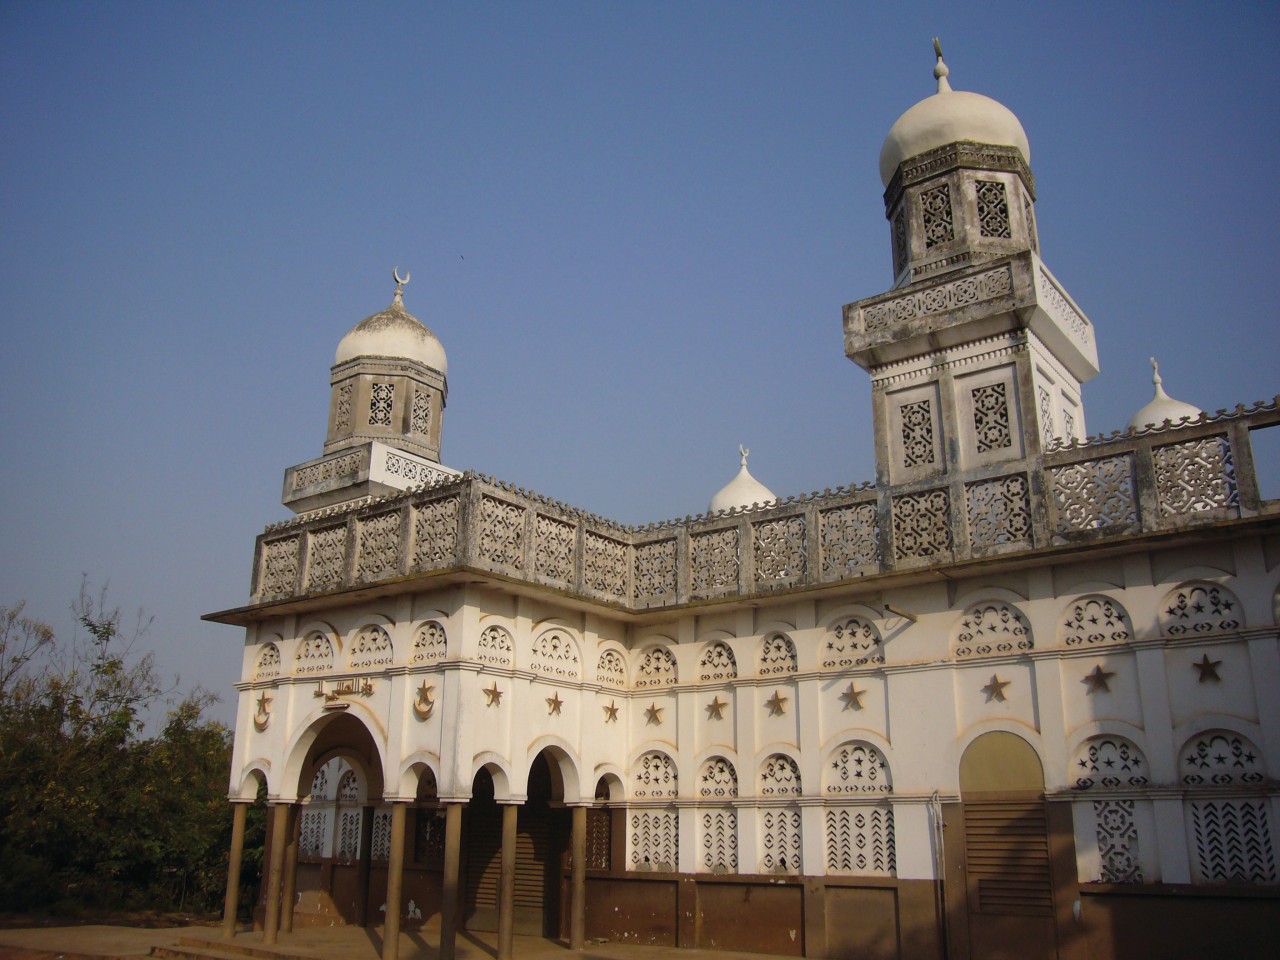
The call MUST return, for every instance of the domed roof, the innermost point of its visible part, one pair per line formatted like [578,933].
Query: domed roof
[742,491]
[946,117]
[394,332]
[1162,406]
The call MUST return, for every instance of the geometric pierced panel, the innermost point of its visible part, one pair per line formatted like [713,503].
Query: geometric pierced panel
[780,841]
[604,565]
[379,547]
[372,648]
[778,655]
[611,670]
[1220,758]
[1117,833]
[435,533]
[1109,762]
[719,841]
[1094,620]
[991,628]
[556,655]
[1200,609]
[1194,476]
[849,539]
[381,847]
[381,399]
[1095,493]
[279,568]
[657,668]
[553,556]
[268,663]
[655,574]
[993,209]
[718,663]
[779,549]
[313,840]
[655,836]
[713,560]
[858,767]
[656,776]
[718,780]
[991,418]
[917,433]
[935,207]
[326,557]
[1232,841]
[315,654]
[852,642]
[780,777]
[860,840]
[501,532]
[496,647]
[429,643]
[1046,415]
[921,527]
[999,511]
[420,418]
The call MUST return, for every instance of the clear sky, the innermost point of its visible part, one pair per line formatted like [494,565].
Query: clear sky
[632,226]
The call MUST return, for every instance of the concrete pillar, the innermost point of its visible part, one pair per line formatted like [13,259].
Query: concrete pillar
[449,893]
[232,904]
[395,884]
[290,888]
[275,871]
[578,894]
[507,883]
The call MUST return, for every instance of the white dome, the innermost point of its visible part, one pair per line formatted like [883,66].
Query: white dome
[947,117]
[1162,407]
[394,332]
[742,491]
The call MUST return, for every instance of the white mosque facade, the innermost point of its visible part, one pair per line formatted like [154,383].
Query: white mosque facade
[1020,696]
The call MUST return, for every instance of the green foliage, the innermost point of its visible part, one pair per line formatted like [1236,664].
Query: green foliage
[93,813]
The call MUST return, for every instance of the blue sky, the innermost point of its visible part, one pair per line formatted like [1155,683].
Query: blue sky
[632,226]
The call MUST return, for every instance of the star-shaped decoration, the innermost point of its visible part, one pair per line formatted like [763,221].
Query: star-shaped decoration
[554,703]
[1098,679]
[715,709]
[852,698]
[264,703]
[653,714]
[494,695]
[611,712]
[424,704]
[777,704]
[263,715]
[995,689]
[1208,669]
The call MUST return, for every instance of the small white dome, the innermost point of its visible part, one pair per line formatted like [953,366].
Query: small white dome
[947,117]
[394,332]
[742,491]
[1162,407]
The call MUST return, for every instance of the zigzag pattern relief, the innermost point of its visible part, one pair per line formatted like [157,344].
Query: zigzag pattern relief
[1233,840]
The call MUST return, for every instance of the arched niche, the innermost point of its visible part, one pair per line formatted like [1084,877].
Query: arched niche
[1000,762]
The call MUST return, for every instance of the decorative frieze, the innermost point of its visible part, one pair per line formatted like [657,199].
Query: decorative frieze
[1055,303]
[942,298]
[334,468]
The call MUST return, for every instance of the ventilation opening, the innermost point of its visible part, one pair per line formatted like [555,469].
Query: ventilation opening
[1265,442]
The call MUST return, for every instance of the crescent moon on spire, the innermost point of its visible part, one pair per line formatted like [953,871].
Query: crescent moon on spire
[400,281]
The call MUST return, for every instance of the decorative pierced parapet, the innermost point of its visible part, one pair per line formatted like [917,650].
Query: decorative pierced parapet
[1056,303]
[852,643]
[279,568]
[379,555]
[605,565]
[1196,475]
[1095,494]
[850,540]
[655,571]
[999,511]
[553,558]
[435,533]
[501,540]
[941,298]
[922,526]
[779,550]
[326,558]
[714,561]
[331,468]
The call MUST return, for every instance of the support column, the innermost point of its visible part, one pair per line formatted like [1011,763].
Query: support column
[449,893]
[507,883]
[578,881]
[232,904]
[395,884]
[366,865]
[290,888]
[275,871]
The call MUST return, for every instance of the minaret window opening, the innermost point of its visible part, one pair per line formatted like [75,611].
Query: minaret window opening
[420,415]
[342,417]
[991,418]
[380,401]
[993,209]
[1046,416]
[939,225]
[899,241]
[917,434]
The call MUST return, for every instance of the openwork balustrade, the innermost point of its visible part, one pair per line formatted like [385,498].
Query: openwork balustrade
[1102,489]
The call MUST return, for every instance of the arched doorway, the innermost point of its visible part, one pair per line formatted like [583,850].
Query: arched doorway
[542,837]
[1009,888]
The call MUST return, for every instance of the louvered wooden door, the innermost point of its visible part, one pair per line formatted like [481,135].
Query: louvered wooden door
[1009,880]
[537,869]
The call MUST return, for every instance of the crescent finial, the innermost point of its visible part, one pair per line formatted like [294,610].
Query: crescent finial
[400,281]
[745,453]
[937,48]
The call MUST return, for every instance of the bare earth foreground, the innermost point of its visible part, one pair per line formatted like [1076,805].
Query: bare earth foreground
[97,942]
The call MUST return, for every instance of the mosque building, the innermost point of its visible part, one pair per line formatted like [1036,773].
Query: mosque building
[1019,697]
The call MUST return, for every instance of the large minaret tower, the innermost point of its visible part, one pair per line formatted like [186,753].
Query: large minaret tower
[976,353]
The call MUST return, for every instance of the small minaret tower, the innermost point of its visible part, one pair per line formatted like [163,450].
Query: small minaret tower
[386,409]
[976,353]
